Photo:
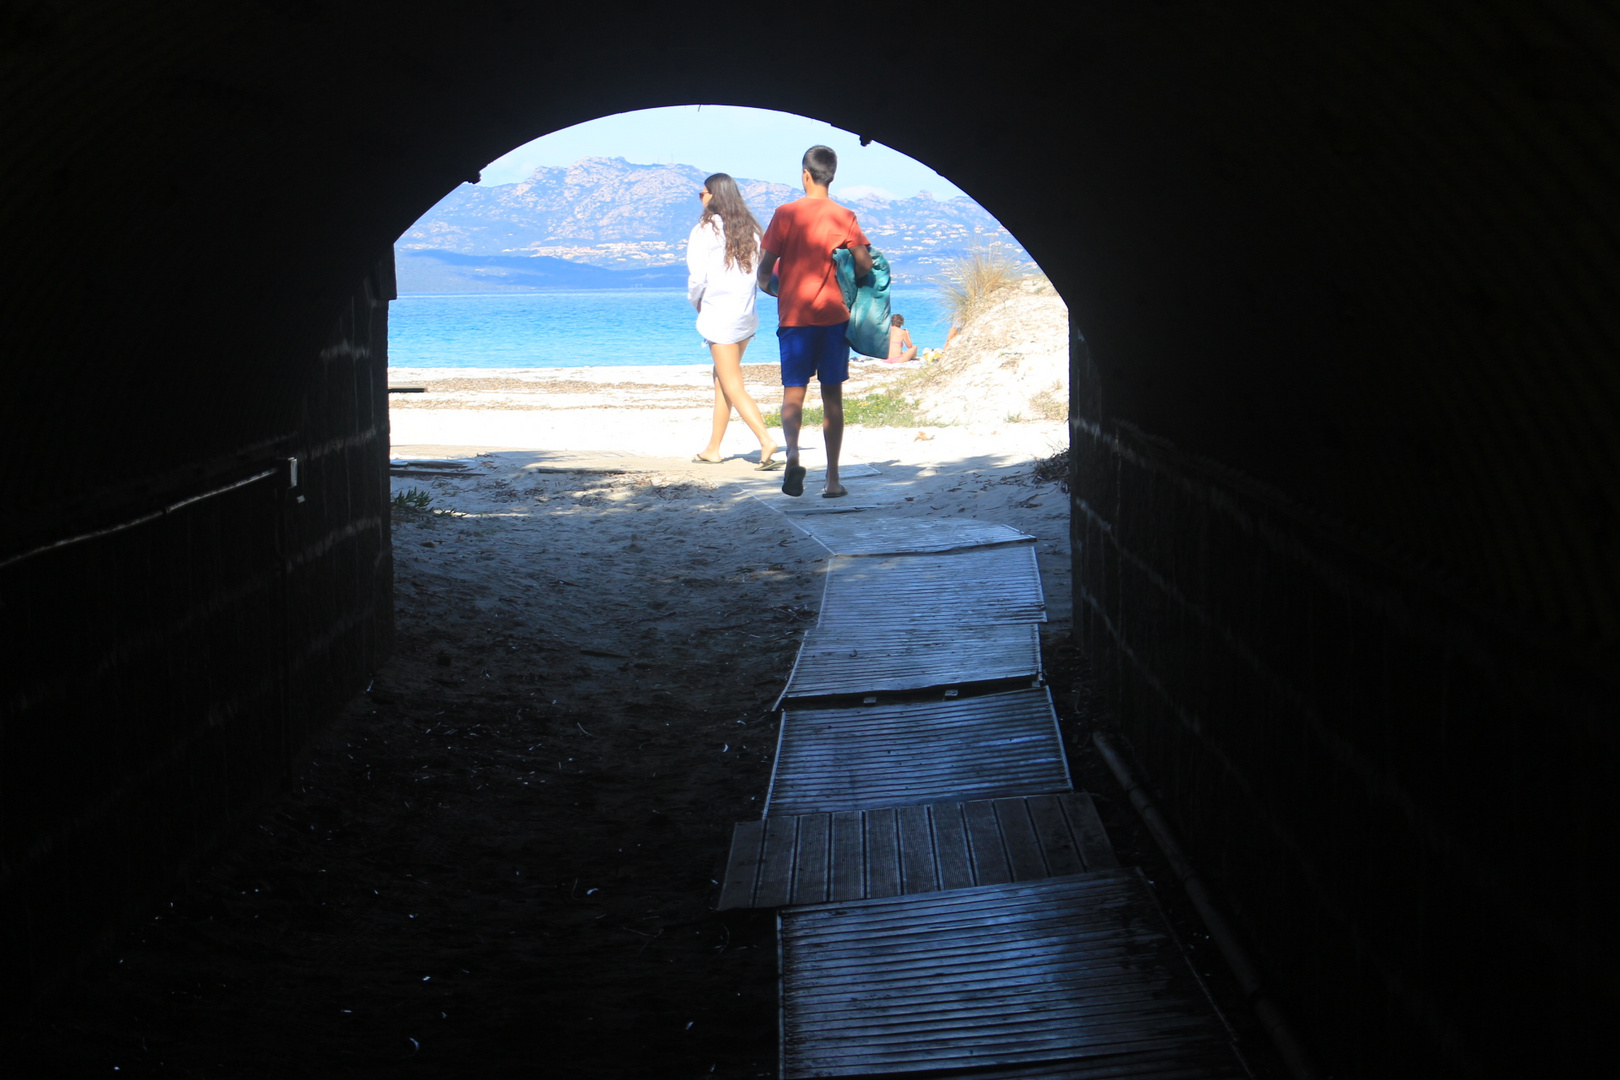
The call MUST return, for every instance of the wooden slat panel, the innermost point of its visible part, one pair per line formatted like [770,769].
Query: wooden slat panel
[810,876]
[917,873]
[1018,838]
[902,755]
[858,659]
[917,849]
[1057,842]
[1007,980]
[882,853]
[984,835]
[1089,834]
[952,856]
[862,535]
[848,862]
[742,866]
[1175,1062]
[996,584]
[775,886]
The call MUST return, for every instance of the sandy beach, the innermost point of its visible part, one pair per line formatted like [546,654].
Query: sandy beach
[662,414]
[587,464]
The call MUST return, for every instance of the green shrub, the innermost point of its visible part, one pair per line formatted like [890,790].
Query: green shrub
[412,499]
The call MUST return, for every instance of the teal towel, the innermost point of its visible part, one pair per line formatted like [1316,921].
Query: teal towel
[868,303]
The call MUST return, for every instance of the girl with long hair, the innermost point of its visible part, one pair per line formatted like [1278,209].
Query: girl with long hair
[721,254]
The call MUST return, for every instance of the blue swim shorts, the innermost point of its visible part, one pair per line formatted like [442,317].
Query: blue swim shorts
[813,350]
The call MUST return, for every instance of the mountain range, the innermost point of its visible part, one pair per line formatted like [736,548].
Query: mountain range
[608,223]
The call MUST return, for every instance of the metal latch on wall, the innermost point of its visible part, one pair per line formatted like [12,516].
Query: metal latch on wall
[292,475]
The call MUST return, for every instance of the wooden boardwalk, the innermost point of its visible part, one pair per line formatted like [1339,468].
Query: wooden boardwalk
[858,660]
[947,904]
[918,752]
[904,594]
[1075,971]
[864,854]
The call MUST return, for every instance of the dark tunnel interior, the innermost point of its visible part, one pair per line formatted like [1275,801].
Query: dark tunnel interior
[1345,424]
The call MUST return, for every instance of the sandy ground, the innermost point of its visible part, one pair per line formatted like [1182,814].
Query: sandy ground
[652,412]
[1011,359]
[512,446]
[502,860]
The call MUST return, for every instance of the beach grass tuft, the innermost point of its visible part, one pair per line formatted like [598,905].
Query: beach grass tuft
[966,283]
[883,409]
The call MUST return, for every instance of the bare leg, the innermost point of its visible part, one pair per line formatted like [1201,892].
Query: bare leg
[792,416]
[722,419]
[832,429]
[728,382]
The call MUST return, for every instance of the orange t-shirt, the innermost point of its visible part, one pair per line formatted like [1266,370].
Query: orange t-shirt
[803,235]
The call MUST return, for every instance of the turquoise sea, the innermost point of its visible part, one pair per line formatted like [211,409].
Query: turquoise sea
[591,328]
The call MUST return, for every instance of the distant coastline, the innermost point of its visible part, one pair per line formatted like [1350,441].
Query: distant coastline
[607,223]
[430,271]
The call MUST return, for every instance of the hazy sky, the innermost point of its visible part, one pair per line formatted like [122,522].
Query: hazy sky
[753,143]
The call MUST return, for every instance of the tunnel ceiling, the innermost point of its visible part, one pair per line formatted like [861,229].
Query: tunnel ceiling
[1361,255]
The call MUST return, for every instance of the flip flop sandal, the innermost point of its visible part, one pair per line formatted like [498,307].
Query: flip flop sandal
[698,459]
[793,481]
[834,494]
[768,466]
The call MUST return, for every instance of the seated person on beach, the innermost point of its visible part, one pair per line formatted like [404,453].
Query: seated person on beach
[901,350]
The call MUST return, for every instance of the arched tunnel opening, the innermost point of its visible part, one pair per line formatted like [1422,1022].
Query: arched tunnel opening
[1342,439]
[587,649]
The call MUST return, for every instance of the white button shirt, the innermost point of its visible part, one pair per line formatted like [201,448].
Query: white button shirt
[723,295]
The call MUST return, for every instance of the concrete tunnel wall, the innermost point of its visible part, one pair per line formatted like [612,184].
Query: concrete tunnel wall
[1345,428]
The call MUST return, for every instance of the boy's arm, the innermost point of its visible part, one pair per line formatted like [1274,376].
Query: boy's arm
[762,276]
[862,250]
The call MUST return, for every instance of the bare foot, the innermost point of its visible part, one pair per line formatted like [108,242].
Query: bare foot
[712,459]
[834,491]
[767,452]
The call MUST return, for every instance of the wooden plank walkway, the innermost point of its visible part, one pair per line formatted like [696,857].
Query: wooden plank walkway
[858,660]
[1079,971]
[919,752]
[861,854]
[946,904]
[973,587]
[862,535]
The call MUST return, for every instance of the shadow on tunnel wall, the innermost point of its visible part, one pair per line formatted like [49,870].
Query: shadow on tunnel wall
[1347,425]
[165,665]
[1399,790]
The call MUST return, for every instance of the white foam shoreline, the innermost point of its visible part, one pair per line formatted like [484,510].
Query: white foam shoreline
[653,374]
[696,374]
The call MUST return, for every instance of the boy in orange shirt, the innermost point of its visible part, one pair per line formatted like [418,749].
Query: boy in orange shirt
[799,243]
